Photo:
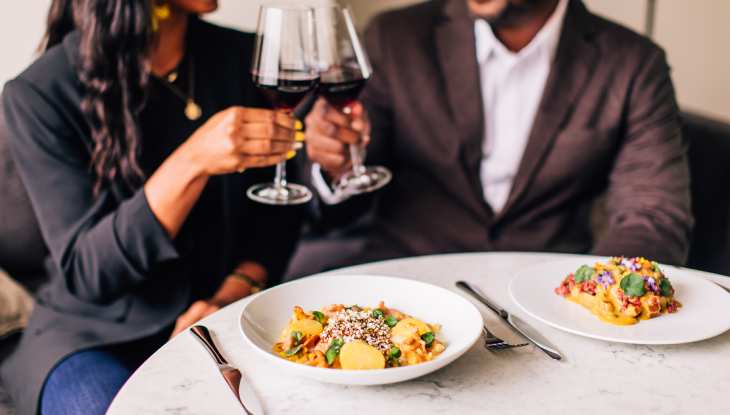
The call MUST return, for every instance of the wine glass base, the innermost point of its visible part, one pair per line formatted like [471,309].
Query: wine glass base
[270,194]
[369,180]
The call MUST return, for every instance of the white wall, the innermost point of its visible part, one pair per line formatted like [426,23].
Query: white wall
[22,26]
[694,33]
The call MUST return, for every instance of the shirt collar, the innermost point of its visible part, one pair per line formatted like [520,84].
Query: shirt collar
[546,39]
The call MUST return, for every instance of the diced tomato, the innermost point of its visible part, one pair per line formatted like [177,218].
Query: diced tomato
[562,291]
[571,281]
[588,287]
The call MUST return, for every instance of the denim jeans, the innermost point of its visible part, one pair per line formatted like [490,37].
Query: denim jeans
[87,381]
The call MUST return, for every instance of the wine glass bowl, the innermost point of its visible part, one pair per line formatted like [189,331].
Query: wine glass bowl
[344,70]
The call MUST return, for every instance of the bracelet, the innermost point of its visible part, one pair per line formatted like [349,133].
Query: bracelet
[255,285]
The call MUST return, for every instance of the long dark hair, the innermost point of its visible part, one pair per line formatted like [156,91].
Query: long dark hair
[116,36]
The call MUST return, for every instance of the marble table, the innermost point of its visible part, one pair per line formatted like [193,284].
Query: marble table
[595,378]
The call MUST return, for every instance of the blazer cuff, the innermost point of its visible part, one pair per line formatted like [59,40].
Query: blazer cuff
[326,194]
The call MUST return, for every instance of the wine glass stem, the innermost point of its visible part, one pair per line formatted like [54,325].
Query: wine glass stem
[355,156]
[280,179]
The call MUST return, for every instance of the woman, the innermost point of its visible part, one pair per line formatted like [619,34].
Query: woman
[132,133]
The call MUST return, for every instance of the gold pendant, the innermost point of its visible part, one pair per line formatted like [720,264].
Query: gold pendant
[192,110]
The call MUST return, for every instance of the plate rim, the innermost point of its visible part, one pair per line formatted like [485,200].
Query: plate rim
[593,258]
[365,376]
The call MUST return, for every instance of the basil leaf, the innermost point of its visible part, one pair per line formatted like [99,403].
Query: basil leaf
[428,337]
[297,337]
[633,285]
[665,288]
[391,321]
[584,273]
[333,351]
[293,350]
[319,316]
[378,313]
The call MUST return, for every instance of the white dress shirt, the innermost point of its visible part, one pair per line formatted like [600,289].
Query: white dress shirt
[512,86]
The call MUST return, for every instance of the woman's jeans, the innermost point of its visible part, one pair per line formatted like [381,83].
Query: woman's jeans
[87,381]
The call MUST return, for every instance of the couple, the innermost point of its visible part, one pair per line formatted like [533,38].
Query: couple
[502,121]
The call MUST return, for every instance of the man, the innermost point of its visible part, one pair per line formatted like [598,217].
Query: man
[503,121]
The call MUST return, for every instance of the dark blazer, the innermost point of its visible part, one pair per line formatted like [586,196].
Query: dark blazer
[115,276]
[608,123]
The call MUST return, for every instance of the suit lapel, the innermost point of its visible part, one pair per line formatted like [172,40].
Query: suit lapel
[456,55]
[574,62]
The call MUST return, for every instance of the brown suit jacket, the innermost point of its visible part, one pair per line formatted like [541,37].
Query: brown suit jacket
[608,123]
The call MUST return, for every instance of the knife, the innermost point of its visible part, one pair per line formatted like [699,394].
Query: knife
[515,322]
[233,377]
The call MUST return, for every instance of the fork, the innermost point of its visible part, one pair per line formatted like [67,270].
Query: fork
[492,342]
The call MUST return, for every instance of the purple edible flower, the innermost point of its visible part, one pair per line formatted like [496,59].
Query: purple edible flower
[605,279]
[651,283]
[630,264]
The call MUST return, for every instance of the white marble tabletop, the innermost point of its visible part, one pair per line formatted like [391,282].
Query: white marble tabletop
[596,377]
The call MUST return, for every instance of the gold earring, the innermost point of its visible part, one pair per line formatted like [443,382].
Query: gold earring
[160,11]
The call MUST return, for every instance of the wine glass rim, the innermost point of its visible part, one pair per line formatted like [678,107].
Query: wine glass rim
[331,6]
[301,7]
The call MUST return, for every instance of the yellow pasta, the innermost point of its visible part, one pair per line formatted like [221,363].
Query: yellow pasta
[358,338]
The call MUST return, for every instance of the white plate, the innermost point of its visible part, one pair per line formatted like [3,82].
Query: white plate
[705,308]
[268,313]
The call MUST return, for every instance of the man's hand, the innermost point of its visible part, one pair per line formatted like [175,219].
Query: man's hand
[330,131]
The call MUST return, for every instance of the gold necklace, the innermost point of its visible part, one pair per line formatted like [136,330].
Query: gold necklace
[192,109]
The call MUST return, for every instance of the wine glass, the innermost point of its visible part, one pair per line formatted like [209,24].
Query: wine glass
[344,69]
[284,68]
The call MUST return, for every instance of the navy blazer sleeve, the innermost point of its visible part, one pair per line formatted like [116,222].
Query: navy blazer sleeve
[102,248]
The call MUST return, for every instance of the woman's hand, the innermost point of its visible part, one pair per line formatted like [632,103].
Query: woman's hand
[230,141]
[232,289]
[329,132]
[198,311]
[239,138]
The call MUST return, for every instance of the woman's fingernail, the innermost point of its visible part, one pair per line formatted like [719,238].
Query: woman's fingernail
[298,125]
[290,155]
[299,136]
[298,146]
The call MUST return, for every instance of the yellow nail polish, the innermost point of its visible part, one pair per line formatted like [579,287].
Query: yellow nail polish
[290,155]
[298,125]
[299,136]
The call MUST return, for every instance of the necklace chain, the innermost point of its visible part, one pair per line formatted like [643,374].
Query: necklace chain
[192,109]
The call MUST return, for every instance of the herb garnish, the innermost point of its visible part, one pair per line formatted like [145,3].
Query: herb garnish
[428,337]
[391,321]
[665,288]
[293,350]
[319,316]
[633,285]
[333,351]
[584,273]
[296,337]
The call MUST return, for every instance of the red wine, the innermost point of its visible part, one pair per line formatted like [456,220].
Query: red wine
[287,91]
[341,94]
